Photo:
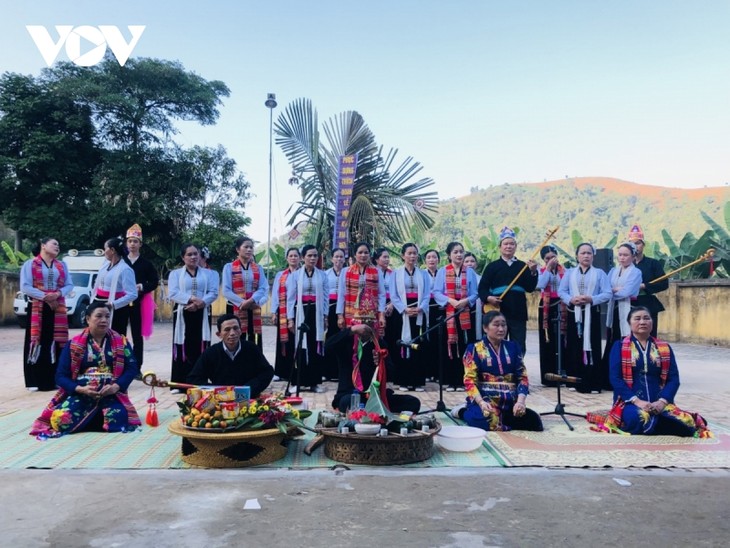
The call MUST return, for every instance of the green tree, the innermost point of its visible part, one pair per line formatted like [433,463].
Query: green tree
[136,106]
[47,160]
[217,218]
[86,152]
[387,198]
[156,188]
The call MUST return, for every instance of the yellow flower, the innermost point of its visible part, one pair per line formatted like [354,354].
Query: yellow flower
[57,419]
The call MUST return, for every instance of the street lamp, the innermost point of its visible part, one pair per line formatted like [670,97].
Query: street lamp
[271,105]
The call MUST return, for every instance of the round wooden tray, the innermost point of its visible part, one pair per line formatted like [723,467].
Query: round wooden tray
[354,448]
[234,449]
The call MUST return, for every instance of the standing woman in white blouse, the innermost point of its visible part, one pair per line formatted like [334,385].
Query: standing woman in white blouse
[331,370]
[625,279]
[283,365]
[45,281]
[455,289]
[410,294]
[116,284]
[306,303]
[432,346]
[192,292]
[246,289]
[583,289]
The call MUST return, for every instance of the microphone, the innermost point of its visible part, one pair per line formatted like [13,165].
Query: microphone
[562,378]
[303,328]
[408,344]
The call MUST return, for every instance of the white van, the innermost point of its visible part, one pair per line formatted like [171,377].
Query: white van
[83,267]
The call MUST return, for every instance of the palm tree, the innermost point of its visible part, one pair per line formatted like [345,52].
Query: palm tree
[387,200]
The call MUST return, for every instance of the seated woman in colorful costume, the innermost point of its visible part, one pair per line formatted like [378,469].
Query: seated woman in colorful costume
[496,382]
[94,371]
[645,381]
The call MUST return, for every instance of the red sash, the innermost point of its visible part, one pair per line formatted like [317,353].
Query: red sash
[60,320]
[464,317]
[361,306]
[240,289]
[547,296]
[628,362]
[283,329]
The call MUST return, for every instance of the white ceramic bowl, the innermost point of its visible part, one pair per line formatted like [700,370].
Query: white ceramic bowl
[460,438]
[368,429]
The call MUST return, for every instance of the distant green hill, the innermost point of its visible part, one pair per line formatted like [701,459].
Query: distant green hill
[598,207]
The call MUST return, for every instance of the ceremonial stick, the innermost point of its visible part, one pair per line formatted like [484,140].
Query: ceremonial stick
[150,379]
[708,255]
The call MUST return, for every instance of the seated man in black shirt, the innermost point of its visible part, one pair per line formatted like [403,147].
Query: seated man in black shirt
[345,388]
[232,362]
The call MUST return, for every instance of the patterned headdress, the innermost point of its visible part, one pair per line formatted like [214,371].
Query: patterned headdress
[507,232]
[135,231]
[636,234]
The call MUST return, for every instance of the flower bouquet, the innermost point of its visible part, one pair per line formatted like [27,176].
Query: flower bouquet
[366,422]
[361,416]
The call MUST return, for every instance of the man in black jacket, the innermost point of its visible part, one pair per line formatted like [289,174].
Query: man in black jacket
[232,362]
[497,277]
[651,269]
[147,281]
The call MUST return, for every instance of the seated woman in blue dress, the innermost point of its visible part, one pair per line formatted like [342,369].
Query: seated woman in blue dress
[94,371]
[495,379]
[645,381]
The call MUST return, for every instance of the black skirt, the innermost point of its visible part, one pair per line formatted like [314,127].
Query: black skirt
[42,374]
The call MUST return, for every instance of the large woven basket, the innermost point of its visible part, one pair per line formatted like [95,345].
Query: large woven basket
[356,449]
[235,449]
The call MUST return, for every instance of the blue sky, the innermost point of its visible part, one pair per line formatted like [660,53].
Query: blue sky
[480,92]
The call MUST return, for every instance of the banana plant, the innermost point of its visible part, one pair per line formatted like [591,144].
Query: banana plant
[689,249]
[15,258]
[720,241]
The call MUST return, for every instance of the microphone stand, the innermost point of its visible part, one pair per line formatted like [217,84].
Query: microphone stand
[440,324]
[561,377]
[303,330]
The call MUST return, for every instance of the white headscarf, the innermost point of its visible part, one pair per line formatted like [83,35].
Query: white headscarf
[179,334]
[590,279]
[400,285]
[317,283]
[624,305]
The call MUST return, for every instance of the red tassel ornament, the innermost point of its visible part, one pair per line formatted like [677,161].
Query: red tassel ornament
[151,418]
